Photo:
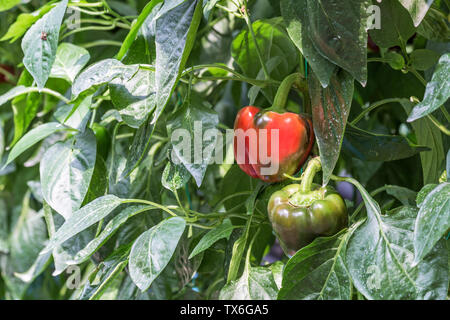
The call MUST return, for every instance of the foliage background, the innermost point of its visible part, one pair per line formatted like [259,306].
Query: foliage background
[92,215]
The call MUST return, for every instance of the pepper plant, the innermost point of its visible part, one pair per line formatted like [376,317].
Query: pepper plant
[118,177]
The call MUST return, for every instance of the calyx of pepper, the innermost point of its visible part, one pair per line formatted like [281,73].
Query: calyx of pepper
[305,197]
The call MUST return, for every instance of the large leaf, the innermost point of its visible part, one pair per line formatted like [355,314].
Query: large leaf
[256,283]
[66,171]
[134,97]
[40,49]
[124,213]
[69,61]
[83,219]
[330,110]
[318,271]
[174,176]
[296,17]
[272,41]
[33,137]
[437,91]
[417,9]
[338,31]
[152,251]
[188,128]
[369,146]
[105,276]
[130,40]
[380,255]
[396,25]
[428,135]
[176,27]
[433,221]
[221,232]
[434,26]
[99,74]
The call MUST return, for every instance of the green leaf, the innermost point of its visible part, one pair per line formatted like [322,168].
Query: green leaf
[75,115]
[298,27]
[134,97]
[124,213]
[40,53]
[26,242]
[423,59]
[176,28]
[66,171]
[25,107]
[434,26]
[105,275]
[152,251]
[272,41]
[131,37]
[69,61]
[406,196]
[381,250]
[330,110]
[369,146]
[4,246]
[437,91]
[448,166]
[433,221]
[32,137]
[99,181]
[139,147]
[82,219]
[424,192]
[256,283]
[221,232]
[417,9]
[24,21]
[196,126]
[8,4]
[101,73]
[174,176]
[318,271]
[428,135]
[396,25]
[338,31]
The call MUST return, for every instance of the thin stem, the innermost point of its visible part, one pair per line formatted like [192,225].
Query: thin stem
[154,204]
[445,112]
[111,27]
[243,193]
[439,125]
[85,4]
[252,33]
[374,106]
[101,43]
[418,76]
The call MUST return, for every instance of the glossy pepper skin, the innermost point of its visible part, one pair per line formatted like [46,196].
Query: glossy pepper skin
[298,218]
[296,139]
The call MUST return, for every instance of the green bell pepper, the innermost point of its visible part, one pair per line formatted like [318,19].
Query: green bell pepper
[299,213]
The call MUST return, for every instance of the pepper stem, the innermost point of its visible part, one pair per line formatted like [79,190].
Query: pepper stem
[280,100]
[314,166]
